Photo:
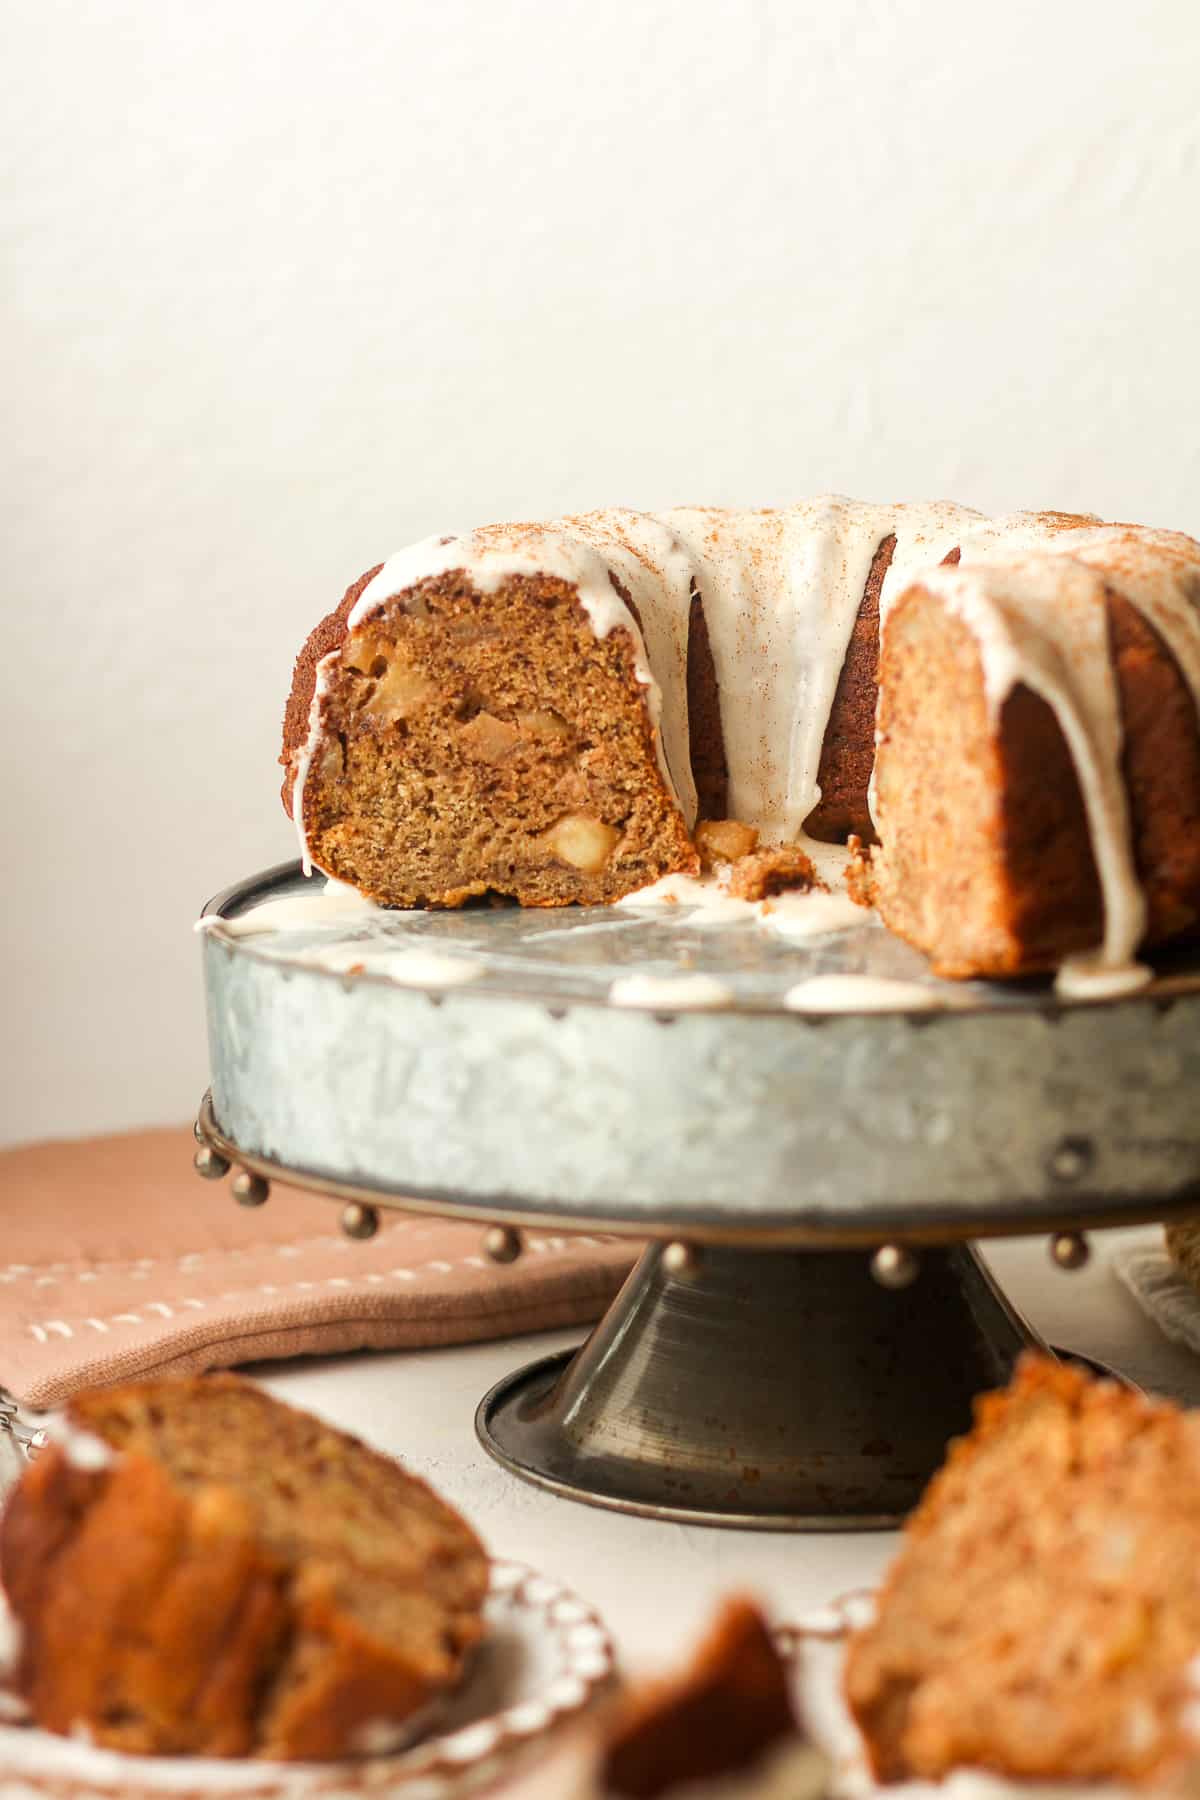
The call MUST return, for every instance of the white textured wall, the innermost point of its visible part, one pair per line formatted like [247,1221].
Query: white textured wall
[293,283]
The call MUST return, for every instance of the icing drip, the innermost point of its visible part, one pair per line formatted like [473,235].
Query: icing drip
[1042,623]
[1091,978]
[656,571]
[11,1637]
[304,760]
[781,591]
[707,899]
[924,542]
[336,904]
[1157,572]
[82,1449]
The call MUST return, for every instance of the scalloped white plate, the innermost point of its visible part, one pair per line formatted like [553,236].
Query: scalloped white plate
[544,1655]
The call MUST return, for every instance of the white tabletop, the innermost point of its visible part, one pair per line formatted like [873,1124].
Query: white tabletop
[656,1583]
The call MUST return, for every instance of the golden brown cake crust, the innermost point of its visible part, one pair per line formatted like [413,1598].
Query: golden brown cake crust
[1042,1617]
[989,866]
[324,638]
[710,771]
[1161,765]
[240,1579]
[849,748]
[721,1715]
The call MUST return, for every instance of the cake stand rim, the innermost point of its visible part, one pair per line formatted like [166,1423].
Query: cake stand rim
[867,1230]
[1008,1001]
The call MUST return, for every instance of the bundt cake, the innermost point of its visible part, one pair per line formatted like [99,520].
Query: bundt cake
[1042,1618]
[194,1567]
[1005,709]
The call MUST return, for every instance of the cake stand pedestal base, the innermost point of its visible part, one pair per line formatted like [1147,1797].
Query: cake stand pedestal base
[779,1390]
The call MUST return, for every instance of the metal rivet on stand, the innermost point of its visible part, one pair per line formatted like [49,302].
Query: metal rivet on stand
[1069,1249]
[249,1189]
[1070,1159]
[680,1259]
[209,1163]
[893,1266]
[359,1221]
[501,1244]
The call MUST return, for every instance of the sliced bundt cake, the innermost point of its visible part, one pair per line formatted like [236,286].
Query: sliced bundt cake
[560,712]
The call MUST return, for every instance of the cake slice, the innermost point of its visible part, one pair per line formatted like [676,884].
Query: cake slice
[489,728]
[1042,1618]
[194,1567]
[1037,771]
[724,1727]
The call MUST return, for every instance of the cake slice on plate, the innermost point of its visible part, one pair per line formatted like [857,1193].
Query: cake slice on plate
[724,1728]
[1042,1619]
[195,1568]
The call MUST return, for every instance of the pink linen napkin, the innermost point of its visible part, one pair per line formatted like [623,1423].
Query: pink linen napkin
[116,1261]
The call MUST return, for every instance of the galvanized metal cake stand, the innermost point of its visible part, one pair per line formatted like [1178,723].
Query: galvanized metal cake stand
[810,1320]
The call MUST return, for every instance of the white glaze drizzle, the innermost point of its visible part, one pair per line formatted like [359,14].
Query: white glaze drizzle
[707,902]
[11,1639]
[1158,572]
[923,544]
[1042,623]
[656,571]
[407,968]
[794,915]
[83,1449]
[307,751]
[781,590]
[679,993]
[336,905]
[869,993]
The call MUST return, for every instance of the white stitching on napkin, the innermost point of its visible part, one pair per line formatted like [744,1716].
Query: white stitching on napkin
[47,1274]
[556,1246]
[140,1266]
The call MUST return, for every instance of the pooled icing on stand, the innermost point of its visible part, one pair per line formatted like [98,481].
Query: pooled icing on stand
[337,903]
[407,967]
[679,993]
[870,993]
